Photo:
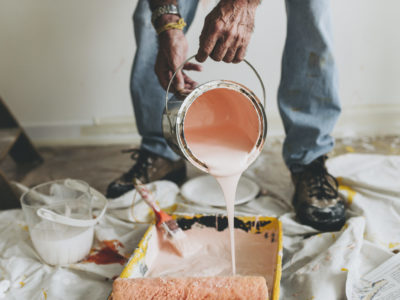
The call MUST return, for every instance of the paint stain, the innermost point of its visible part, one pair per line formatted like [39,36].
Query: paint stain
[322,62]
[315,64]
[344,269]
[313,60]
[328,257]
[350,193]
[24,227]
[324,99]
[22,282]
[107,254]
[393,245]
[315,268]
[316,61]
[349,149]
[351,246]
[44,294]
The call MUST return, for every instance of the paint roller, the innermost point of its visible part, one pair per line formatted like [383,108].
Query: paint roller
[191,288]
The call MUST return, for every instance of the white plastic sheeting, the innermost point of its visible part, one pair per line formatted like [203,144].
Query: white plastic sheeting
[315,265]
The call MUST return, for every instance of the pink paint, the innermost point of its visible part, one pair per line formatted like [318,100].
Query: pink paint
[221,129]
[208,254]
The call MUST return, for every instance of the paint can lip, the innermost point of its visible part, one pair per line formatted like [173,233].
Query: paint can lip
[203,88]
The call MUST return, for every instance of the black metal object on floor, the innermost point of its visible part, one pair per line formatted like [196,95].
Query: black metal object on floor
[13,142]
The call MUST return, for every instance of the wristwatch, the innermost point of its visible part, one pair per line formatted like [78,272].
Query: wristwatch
[162,10]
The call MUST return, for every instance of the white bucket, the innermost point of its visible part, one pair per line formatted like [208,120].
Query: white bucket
[61,216]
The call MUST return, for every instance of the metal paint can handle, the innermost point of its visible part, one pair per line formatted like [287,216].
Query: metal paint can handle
[193,56]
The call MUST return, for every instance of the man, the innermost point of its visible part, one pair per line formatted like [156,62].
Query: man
[307,96]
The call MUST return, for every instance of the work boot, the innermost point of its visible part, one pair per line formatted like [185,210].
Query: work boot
[147,168]
[316,199]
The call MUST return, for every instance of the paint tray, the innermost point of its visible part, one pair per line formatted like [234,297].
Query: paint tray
[143,256]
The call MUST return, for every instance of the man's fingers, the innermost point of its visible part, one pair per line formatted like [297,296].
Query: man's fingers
[230,55]
[192,67]
[206,49]
[231,51]
[164,79]
[190,85]
[189,81]
[224,44]
[240,54]
[219,50]
[179,81]
[208,39]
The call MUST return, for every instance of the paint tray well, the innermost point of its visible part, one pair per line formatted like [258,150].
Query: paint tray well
[258,250]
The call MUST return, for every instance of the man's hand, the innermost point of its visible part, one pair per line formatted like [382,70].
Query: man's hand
[227,31]
[172,52]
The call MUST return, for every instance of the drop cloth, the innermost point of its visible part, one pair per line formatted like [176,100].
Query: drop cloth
[315,265]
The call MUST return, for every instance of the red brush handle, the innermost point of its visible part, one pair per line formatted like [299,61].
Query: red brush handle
[147,196]
[162,217]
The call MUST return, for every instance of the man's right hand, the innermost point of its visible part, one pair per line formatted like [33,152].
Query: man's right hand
[172,52]
[227,31]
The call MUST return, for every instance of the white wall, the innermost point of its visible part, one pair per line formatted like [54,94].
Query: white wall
[65,65]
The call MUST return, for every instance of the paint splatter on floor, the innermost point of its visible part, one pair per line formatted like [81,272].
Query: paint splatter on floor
[368,144]
[107,254]
[24,227]
[44,294]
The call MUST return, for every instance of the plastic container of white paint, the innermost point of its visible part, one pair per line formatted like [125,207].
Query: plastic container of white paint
[61,216]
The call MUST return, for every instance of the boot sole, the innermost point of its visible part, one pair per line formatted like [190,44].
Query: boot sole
[335,225]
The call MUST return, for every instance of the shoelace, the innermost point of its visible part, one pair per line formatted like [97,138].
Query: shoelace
[140,168]
[320,185]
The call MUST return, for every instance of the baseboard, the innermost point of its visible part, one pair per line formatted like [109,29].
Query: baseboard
[354,122]
[369,120]
[101,132]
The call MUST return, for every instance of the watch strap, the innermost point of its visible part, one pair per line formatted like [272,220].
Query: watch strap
[162,10]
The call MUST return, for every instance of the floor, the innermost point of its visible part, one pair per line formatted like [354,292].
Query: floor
[306,253]
[98,165]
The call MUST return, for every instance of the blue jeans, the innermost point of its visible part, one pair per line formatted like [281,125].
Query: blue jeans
[307,96]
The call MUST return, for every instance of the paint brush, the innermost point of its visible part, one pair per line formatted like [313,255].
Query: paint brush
[164,222]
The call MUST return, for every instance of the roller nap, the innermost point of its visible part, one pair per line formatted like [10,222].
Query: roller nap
[205,288]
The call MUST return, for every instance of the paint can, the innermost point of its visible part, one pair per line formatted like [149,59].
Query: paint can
[234,98]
